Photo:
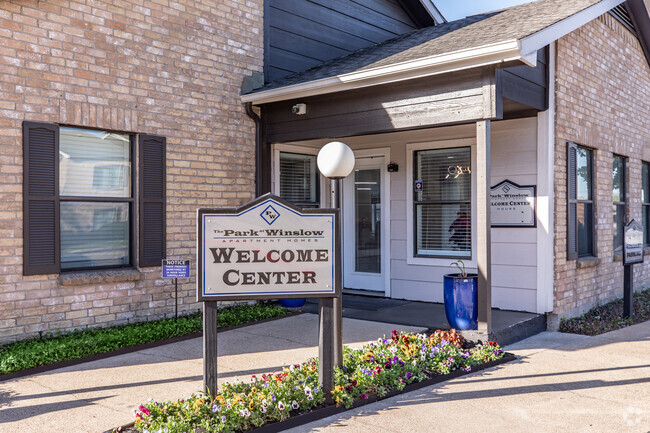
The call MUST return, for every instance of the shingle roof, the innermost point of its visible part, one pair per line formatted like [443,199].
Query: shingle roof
[514,23]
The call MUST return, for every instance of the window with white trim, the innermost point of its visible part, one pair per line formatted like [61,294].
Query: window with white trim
[299,179]
[442,206]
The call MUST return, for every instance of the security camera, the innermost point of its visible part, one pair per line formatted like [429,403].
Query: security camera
[299,109]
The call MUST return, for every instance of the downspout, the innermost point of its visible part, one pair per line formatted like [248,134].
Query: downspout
[258,147]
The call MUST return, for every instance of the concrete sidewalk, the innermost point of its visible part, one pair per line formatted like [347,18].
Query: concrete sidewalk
[561,382]
[99,395]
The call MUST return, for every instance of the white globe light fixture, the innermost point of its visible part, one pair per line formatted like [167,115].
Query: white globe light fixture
[335,160]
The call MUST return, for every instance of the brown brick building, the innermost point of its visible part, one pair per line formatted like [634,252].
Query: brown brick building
[104,86]
[602,102]
[119,119]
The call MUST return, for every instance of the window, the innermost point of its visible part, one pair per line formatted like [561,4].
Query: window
[299,179]
[619,198]
[96,198]
[80,199]
[442,206]
[580,199]
[645,201]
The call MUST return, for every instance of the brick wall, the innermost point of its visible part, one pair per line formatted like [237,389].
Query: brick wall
[602,102]
[172,68]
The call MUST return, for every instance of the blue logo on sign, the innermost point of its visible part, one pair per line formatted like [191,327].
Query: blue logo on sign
[270,215]
[505,188]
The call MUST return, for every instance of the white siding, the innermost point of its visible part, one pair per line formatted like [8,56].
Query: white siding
[514,250]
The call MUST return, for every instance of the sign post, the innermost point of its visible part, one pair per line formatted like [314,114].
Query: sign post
[632,253]
[176,269]
[267,249]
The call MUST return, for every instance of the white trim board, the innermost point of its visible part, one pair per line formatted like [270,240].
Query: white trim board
[433,11]
[423,67]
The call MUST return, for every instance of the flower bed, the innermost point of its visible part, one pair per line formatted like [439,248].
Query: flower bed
[380,367]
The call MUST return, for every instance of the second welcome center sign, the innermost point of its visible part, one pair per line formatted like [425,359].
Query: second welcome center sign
[266,249]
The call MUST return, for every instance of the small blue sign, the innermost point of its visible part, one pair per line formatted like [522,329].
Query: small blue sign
[176,268]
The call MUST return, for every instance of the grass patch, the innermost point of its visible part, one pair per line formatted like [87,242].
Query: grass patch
[609,317]
[50,349]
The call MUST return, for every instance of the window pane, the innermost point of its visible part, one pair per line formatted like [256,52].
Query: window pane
[445,174]
[585,231]
[367,204]
[299,179]
[94,234]
[444,230]
[94,163]
[619,226]
[618,175]
[583,173]
[645,188]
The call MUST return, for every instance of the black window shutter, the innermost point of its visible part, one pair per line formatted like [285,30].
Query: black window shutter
[41,250]
[152,222]
[572,222]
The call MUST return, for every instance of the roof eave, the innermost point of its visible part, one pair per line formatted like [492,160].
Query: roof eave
[641,18]
[532,43]
[502,52]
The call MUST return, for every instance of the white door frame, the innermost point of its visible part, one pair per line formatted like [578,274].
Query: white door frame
[383,156]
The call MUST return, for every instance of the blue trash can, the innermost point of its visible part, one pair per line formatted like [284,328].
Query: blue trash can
[461,300]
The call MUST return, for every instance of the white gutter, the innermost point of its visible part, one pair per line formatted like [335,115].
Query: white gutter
[433,65]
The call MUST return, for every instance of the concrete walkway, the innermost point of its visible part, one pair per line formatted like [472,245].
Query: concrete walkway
[97,396]
[561,382]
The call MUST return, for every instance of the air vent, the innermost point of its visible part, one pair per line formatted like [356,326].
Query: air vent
[620,13]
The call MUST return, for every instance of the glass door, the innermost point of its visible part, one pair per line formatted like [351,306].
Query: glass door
[364,231]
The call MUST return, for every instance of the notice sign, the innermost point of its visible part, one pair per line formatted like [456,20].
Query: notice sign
[176,268]
[512,205]
[266,249]
[633,244]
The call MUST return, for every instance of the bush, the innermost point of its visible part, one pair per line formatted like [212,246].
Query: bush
[53,348]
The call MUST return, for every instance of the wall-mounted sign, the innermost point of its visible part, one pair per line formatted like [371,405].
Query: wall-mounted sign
[633,243]
[512,205]
[176,268]
[266,249]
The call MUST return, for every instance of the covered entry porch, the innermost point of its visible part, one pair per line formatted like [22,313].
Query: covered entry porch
[507,326]
[451,132]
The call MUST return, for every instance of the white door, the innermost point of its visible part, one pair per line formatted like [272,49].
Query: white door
[365,226]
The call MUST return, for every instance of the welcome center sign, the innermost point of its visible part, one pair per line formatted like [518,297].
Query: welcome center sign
[266,249]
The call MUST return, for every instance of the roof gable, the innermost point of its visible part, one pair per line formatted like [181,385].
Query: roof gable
[514,34]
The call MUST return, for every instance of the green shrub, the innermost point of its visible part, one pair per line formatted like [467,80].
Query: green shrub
[53,348]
